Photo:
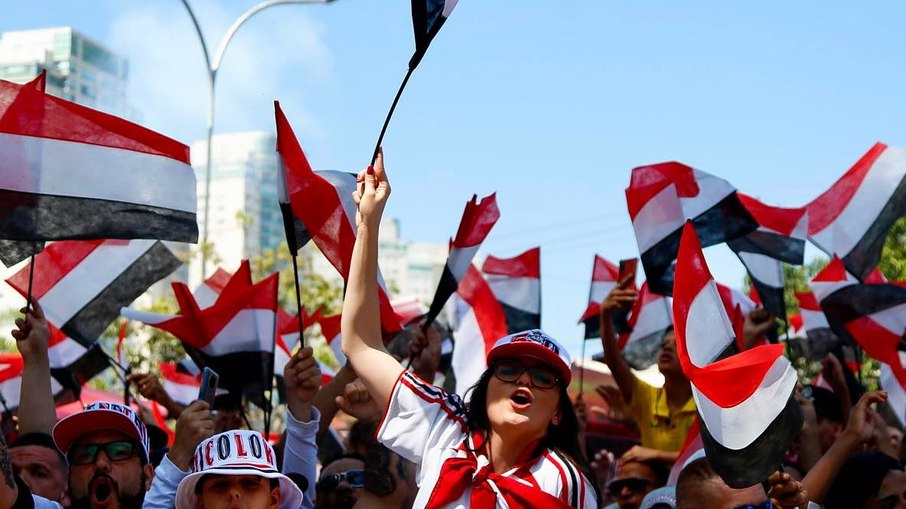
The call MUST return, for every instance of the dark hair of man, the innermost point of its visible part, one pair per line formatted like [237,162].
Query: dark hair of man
[688,485]
[563,437]
[40,440]
[339,457]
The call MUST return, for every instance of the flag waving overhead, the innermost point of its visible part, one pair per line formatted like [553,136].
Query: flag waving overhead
[14,251]
[322,207]
[745,401]
[516,282]
[871,314]
[818,338]
[427,18]
[648,323]
[478,321]
[70,172]
[852,218]
[780,238]
[477,221]
[603,280]
[235,336]
[11,366]
[83,284]
[71,363]
[661,197]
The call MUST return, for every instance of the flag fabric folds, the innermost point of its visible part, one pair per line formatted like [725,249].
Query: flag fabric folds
[780,238]
[661,197]
[516,282]
[11,366]
[691,449]
[648,323]
[323,210]
[745,400]
[477,220]
[70,172]
[428,16]
[235,336]
[83,284]
[603,280]
[71,363]
[478,321]
[14,251]
[852,218]
[813,338]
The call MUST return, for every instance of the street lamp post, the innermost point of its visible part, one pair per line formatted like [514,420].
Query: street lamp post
[212,68]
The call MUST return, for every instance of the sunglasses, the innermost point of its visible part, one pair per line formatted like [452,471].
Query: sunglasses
[542,377]
[633,484]
[355,478]
[85,454]
[764,505]
[890,501]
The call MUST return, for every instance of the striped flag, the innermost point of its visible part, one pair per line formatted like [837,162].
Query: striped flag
[11,366]
[477,220]
[648,323]
[661,197]
[319,206]
[182,387]
[14,251]
[83,284]
[427,18]
[870,314]
[235,336]
[852,218]
[780,238]
[516,282]
[745,401]
[71,363]
[70,172]
[478,321]
[603,280]
[816,339]
[893,380]
[330,329]
[692,449]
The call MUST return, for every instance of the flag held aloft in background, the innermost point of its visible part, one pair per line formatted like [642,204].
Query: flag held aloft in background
[70,172]
[749,417]
[516,283]
[603,280]
[477,220]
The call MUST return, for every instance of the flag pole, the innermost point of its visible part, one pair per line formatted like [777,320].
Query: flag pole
[582,368]
[31,279]
[298,302]
[396,99]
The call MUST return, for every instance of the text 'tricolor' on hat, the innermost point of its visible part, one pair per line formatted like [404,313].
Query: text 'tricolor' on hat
[236,452]
[101,415]
[535,343]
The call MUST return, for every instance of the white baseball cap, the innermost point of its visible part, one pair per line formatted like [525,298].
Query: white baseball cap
[534,343]
[236,452]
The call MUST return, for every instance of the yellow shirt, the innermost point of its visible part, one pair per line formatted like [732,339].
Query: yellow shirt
[658,427]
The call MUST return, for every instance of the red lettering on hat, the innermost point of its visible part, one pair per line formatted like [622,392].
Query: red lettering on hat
[240,448]
[208,457]
[269,454]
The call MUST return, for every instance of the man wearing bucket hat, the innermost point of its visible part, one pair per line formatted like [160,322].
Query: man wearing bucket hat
[236,468]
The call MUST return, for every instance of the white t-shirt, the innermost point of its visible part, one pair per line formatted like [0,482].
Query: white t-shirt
[427,426]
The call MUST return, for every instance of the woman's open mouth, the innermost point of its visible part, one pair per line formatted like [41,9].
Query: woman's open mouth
[521,399]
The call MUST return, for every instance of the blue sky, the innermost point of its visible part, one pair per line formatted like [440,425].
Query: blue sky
[550,104]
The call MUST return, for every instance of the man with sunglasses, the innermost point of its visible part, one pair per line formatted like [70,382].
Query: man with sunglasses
[633,480]
[340,483]
[107,448]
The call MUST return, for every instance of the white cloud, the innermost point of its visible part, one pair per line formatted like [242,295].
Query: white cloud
[275,55]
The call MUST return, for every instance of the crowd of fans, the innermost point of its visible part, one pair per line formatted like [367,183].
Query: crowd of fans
[519,441]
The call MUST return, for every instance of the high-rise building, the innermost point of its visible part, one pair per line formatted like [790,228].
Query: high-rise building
[78,68]
[244,212]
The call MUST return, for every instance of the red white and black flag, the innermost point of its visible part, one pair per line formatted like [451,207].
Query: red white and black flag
[815,339]
[235,336]
[516,282]
[319,206]
[71,363]
[70,172]
[745,400]
[83,284]
[780,238]
[14,251]
[603,280]
[11,366]
[661,197]
[648,323]
[852,218]
[477,220]
[478,321]
[427,18]
[871,314]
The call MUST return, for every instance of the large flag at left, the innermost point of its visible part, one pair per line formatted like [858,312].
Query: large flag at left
[83,284]
[70,172]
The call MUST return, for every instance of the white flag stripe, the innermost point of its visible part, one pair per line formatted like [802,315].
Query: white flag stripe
[658,218]
[65,353]
[468,360]
[336,347]
[813,319]
[653,318]
[708,329]
[184,394]
[448,8]
[459,260]
[103,172]
[896,397]
[600,289]
[254,326]
[737,427]
[766,269]
[520,292]
[866,204]
[89,278]
[892,319]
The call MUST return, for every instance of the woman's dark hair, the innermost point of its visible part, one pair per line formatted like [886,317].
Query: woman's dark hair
[564,437]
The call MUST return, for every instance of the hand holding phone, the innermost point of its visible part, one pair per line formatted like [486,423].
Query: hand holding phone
[208,389]
[628,268]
